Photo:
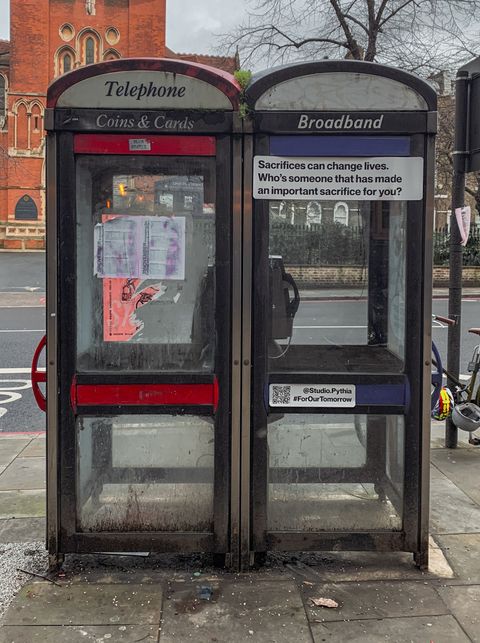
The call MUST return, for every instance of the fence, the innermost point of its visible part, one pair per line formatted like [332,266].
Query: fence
[334,244]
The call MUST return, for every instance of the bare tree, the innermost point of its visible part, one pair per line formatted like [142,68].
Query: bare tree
[418,35]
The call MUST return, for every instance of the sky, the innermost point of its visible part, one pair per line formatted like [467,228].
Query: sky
[191,25]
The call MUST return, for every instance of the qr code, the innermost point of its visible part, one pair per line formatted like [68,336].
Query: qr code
[281,394]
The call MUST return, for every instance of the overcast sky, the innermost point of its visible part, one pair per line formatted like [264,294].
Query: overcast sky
[191,25]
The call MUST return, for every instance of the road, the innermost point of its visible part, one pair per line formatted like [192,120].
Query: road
[22,325]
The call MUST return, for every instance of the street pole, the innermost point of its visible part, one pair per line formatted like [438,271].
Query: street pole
[458,201]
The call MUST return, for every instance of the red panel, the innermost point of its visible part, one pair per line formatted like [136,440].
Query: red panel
[151,144]
[144,394]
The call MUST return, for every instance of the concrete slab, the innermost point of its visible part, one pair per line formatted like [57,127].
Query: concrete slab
[22,530]
[463,603]
[373,600]
[437,434]
[24,473]
[61,634]
[11,447]
[421,629]
[461,466]
[461,551]
[363,566]
[261,611]
[22,504]
[36,448]
[451,510]
[47,604]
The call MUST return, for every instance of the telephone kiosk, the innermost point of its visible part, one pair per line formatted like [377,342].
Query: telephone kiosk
[208,387]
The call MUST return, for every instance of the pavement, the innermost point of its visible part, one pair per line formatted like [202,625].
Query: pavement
[381,597]
[361,292]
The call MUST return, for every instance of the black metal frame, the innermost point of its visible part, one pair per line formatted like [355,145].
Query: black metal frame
[413,537]
[70,539]
[408,539]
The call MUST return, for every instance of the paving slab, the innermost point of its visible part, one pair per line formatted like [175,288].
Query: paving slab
[451,510]
[93,604]
[368,600]
[261,611]
[62,634]
[22,530]
[24,473]
[462,551]
[420,629]
[22,504]
[11,447]
[464,603]
[364,566]
[36,448]
[461,466]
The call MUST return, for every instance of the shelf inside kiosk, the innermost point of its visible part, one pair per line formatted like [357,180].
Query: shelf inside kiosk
[347,261]
[145,263]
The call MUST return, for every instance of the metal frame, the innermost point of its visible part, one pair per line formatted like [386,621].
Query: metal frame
[413,537]
[70,538]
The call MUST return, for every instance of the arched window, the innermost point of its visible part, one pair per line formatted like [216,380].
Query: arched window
[111,54]
[22,127]
[340,213]
[65,58]
[66,63]
[89,50]
[89,47]
[314,213]
[36,126]
[26,209]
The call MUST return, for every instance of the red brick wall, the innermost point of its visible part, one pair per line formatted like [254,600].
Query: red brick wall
[35,42]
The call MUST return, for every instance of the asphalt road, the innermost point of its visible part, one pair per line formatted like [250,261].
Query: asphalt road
[22,325]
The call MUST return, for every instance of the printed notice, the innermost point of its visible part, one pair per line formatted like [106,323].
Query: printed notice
[317,395]
[140,247]
[348,179]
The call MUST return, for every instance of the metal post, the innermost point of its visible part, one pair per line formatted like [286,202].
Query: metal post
[458,198]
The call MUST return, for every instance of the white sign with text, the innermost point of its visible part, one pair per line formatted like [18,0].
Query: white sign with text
[317,395]
[349,179]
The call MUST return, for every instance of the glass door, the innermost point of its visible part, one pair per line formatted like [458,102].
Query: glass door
[331,378]
[150,336]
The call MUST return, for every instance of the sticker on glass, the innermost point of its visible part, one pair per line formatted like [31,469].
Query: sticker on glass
[139,145]
[313,395]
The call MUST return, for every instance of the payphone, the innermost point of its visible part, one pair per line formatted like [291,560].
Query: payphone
[141,193]
[210,386]
[337,454]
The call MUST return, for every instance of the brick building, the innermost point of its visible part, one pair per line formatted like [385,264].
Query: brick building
[49,38]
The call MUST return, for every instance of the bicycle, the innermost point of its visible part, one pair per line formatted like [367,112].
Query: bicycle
[465,396]
[440,405]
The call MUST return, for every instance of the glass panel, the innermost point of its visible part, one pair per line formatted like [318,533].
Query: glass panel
[145,473]
[336,473]
[89,51]
[349,269]
[67,63]
[145,263]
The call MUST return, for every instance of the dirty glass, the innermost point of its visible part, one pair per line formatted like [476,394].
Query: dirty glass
[145,473]
[337,286]
[145,263]
[336,472]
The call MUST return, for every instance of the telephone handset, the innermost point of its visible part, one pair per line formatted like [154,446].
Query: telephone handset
[283,307]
